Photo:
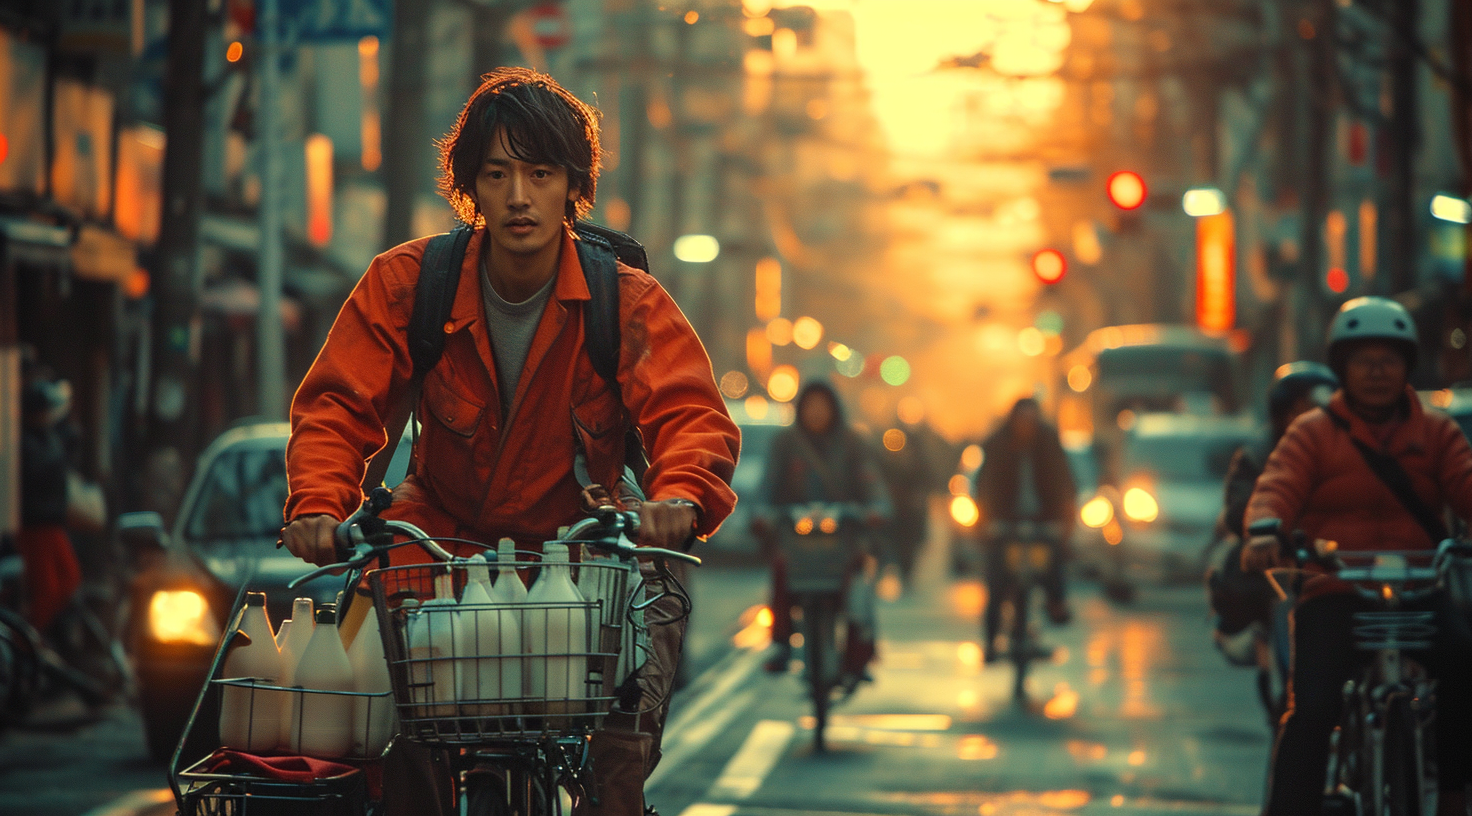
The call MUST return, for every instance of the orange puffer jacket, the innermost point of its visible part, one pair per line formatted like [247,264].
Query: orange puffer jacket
[1316,480]
[482,471]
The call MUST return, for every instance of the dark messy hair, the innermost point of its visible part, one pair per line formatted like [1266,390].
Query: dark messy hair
[544,124]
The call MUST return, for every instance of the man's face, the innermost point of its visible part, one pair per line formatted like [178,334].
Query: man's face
[817,412]
[1375,374]
[523,203]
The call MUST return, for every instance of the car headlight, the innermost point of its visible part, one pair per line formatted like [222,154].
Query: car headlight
[1139,505]
[182,616]
[964,511]
[1096,512]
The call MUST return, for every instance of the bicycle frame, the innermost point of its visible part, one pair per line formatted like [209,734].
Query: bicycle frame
[1381,758]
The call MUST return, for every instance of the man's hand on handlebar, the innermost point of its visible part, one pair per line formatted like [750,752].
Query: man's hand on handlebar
[667,524]
[1262,553]
[310,538]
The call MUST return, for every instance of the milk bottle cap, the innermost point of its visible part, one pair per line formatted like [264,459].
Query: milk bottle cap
[327,614]
[255,599]
[554,553]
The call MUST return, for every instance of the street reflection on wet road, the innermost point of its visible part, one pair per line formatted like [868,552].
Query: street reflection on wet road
[1135,713]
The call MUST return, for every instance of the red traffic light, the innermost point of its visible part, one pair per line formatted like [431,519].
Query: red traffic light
[1126,190]
[1049,265]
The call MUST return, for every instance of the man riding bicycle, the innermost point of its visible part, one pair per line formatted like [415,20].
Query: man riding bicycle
[1319,479]
[515,400]
[1025,477]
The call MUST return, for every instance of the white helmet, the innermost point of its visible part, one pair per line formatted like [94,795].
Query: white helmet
[1371,318]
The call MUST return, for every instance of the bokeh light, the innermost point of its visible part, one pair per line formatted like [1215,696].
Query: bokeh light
[1031,342]
[971,457]
[807,332]
[757,407]
[911,410]
[895,370]
[1080,378]
[779,331]
[734,384]
[782,385]
[894,440]
[964,511]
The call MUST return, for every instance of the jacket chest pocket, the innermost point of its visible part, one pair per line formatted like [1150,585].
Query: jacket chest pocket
[600,414]
[450,406]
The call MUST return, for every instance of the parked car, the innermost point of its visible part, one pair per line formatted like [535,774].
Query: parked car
[223,540]
[1163,511]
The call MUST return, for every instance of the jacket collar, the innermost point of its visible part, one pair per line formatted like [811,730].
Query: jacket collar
[1339,407]
[570,285]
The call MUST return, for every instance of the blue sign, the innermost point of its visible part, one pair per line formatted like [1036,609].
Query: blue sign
[330,20]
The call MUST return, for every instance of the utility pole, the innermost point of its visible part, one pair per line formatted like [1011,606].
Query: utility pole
[171,421]
[403,131]
[1319,86]
[1399,244]
[270,345]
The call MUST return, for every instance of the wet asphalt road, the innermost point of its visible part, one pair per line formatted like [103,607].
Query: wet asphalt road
[1136,714]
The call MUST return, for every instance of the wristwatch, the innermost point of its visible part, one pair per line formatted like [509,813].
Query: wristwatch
[686,503]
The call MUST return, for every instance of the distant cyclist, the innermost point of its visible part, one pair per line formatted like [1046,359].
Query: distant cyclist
[1239,599]
[1319,479]
[1024,476]
[820,459]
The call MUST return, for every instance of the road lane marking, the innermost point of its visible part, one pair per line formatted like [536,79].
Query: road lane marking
[696,724]
[732,675]
[705,809]
[746,771]
[132,803]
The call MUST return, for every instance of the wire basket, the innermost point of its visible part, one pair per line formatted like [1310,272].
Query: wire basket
[475,674]
[1394,630]
[370,716]
[206,793]
[817,561]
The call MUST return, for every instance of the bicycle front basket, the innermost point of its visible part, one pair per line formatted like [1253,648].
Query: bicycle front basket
[468,674]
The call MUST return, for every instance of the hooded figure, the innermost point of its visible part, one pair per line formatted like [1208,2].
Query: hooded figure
[820,459]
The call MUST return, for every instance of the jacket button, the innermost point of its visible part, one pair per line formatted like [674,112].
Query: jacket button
[449,326]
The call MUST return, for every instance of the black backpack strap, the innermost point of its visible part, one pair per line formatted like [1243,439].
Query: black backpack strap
[434,295]
[600,250]
[1389,471]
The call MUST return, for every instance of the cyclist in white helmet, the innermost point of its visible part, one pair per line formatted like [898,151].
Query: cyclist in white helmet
[1319,480]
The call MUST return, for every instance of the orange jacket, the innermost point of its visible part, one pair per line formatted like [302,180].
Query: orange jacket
[1316,480]
[483,470]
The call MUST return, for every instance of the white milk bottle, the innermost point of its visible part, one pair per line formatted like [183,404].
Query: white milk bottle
[326,720]
[433,673]
[250,718]
[374,721]
[495,635]
[298,629]
[557,627]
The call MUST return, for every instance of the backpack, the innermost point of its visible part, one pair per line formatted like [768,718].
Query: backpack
[600,250]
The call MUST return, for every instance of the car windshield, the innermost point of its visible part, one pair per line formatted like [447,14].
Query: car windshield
[241,497]
[1194,458]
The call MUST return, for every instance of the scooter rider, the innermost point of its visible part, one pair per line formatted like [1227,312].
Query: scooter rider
[1318,479]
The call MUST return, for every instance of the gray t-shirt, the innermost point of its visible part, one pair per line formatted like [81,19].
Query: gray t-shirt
[512,327]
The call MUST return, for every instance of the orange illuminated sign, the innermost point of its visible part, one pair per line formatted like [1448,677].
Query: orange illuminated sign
[1216,272]
[319,189]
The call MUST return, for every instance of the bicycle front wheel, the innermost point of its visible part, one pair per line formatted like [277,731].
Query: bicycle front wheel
[1408,776]
[819,651]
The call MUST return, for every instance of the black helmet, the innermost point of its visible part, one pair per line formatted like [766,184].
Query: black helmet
[1293,381]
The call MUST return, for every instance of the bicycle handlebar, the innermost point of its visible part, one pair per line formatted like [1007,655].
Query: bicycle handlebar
[356,548]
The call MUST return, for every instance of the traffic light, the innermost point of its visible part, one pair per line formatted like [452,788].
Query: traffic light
[1049,265]
[1126,190]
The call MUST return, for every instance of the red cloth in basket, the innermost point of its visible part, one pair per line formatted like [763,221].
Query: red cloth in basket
[283,768]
